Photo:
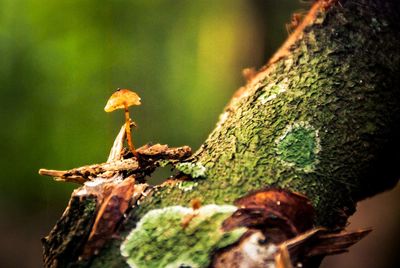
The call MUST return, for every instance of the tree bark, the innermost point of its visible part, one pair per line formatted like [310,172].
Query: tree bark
[321,119]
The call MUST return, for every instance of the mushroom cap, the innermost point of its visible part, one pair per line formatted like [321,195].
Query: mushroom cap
[120,99]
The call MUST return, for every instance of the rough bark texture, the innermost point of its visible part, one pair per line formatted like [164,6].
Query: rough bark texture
[321,119]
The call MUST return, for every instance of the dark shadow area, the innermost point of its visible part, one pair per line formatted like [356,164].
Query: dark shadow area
[160,175]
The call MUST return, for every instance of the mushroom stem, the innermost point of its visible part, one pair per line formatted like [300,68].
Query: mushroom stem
[128,132]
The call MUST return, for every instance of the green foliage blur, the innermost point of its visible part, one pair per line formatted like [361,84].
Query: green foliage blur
[61,60]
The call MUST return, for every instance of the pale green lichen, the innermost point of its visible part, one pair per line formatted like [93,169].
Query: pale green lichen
[299,146]
[160,240]
[187,185]
[271,91]
[196,170]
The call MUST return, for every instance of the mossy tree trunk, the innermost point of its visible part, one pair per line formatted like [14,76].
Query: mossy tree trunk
[322,118]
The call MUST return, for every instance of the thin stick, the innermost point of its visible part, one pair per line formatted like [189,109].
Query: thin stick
[128,132]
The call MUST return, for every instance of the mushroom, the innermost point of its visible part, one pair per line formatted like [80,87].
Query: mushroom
[122,99]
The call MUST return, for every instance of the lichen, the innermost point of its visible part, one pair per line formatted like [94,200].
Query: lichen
[187,185]
[196,170]
[299,146]
[160,239]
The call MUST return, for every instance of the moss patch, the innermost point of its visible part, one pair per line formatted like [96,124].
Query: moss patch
[159,240]
[299,146]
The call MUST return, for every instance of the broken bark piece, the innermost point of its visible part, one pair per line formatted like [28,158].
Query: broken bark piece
[256,250]
[67,238]
[110,214]
[336,243]
[109,201]
[280,232]
[318,242]
[118,146]
[282,259]
[272,217]
[270,208]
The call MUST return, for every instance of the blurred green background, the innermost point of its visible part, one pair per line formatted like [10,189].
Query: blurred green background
[61,60]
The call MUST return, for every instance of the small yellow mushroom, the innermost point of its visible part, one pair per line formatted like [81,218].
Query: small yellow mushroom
[122,99]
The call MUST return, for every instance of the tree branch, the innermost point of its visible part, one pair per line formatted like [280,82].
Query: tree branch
[315,130]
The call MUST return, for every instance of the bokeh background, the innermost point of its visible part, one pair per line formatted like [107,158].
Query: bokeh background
[61,60]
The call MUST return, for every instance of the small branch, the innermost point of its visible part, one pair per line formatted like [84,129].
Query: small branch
[87,173]
[148,157]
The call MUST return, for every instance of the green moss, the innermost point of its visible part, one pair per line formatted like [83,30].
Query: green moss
[159,240]
[299,146]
